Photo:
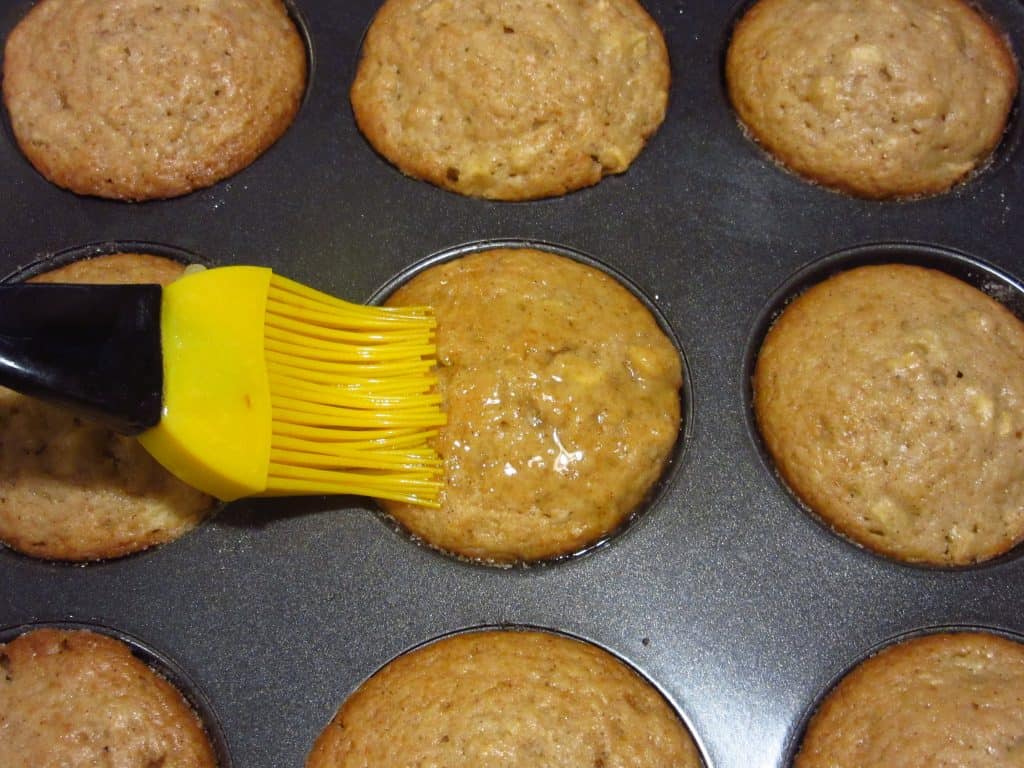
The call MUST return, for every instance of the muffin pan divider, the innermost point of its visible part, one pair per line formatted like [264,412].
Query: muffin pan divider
[725,593]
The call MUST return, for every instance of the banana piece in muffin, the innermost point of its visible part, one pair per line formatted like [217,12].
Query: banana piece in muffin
[878,98]
[73,490]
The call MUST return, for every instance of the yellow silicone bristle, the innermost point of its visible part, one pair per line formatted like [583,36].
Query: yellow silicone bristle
[381,440]
[334,372]
[319,380]
[352,396]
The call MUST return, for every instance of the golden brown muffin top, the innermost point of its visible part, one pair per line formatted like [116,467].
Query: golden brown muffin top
[879,98]
[943,699]
[892,400]
[144,99]
[76,699]
[511,101]
[506,699]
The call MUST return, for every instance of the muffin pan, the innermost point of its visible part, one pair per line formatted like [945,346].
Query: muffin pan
[737,604]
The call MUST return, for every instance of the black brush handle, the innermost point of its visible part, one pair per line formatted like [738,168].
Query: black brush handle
[92,348]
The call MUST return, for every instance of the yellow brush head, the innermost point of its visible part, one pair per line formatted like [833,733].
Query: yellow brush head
[272,388]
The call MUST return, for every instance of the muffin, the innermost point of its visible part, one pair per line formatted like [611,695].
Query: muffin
[878,98]
[563,403]
[509,699]
[511,101]
[892,400]
[943,699]
[71,699]
[72,490]
[151,98]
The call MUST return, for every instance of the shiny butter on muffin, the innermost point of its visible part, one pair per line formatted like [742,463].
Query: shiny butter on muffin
[892,400]
[73,490]
[511,101]
[563,403]
[146,99]
[948,699]
[77,699]
[878,98]
[506,699]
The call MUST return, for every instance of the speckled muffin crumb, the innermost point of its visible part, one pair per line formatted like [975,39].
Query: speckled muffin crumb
[506,699]
[892,400]
[77,699]
[938,700]
[880,98]
[563,402]
[511,100]
[146,99]
[73,490]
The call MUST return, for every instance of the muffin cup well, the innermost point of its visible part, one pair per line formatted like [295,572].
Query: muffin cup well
[796,737]
[66,256]
[999,285]
[517,627]
[162,664]
[674,461]
[1003,17]
[126,545]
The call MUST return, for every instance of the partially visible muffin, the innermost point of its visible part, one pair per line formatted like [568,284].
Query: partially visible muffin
[151,98]
[115,269]
[513,699]
[511,101]
[879,98]
[942,699]
[892,400]
[73,490]
[563,402]
[72,699]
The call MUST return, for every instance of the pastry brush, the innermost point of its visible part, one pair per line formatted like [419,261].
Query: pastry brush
[239,381]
